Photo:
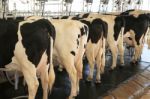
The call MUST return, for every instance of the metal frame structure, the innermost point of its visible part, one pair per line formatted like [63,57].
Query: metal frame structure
[65,7]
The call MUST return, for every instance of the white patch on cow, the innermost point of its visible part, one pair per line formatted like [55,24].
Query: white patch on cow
[139,12]
[42,63]
[127,41]
[127,35]
[33,18]
[14,65]
[136,15]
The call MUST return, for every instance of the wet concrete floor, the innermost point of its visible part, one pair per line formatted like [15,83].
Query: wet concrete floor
[88,90]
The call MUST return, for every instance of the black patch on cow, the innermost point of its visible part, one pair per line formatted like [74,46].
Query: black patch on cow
[85,15]
[86,29]
[19,18]
[76,18]
[127,12]
[119,23]
[36,39]
[77,42]
[84,45]
[73,53]
[8,39]
[55,17]
[105,29]
[129,38]
[138,24]
[77,15]
[93,33]
[97,28]
[148,15]
[79,35]
[87,23]
[82,31]
[64,17]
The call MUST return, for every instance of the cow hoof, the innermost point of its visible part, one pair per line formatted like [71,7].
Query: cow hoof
[98,81]
[110,70]
[89,79]
[71,97]
[121,66]
[60,69]
[102,71]
[77,92]
[134,62]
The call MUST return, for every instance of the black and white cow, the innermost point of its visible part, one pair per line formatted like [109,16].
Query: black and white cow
[136,13]
[26,46]
[69,48]
[136,27]
[95,49]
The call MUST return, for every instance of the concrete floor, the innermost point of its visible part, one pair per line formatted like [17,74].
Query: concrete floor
[88,90]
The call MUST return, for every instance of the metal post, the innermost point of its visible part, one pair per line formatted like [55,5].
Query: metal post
[4,4]
[99,6]
[43,7]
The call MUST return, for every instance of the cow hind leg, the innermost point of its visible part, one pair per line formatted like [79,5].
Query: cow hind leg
[29,73]
[51,77]
[70,68]
[98,65]
[91,60]
[79,68]
[135,56]
[113,49]
[91,69]
[140,52]
[102,68]
[44,81]
[121,51]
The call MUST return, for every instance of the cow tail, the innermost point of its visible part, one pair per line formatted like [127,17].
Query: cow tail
[104,36]
[123,26]
[51,73]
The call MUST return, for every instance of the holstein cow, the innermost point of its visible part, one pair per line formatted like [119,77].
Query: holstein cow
[95,48]
[136,28]
[28,51]
[137,13]
[115,34]
[69,47]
